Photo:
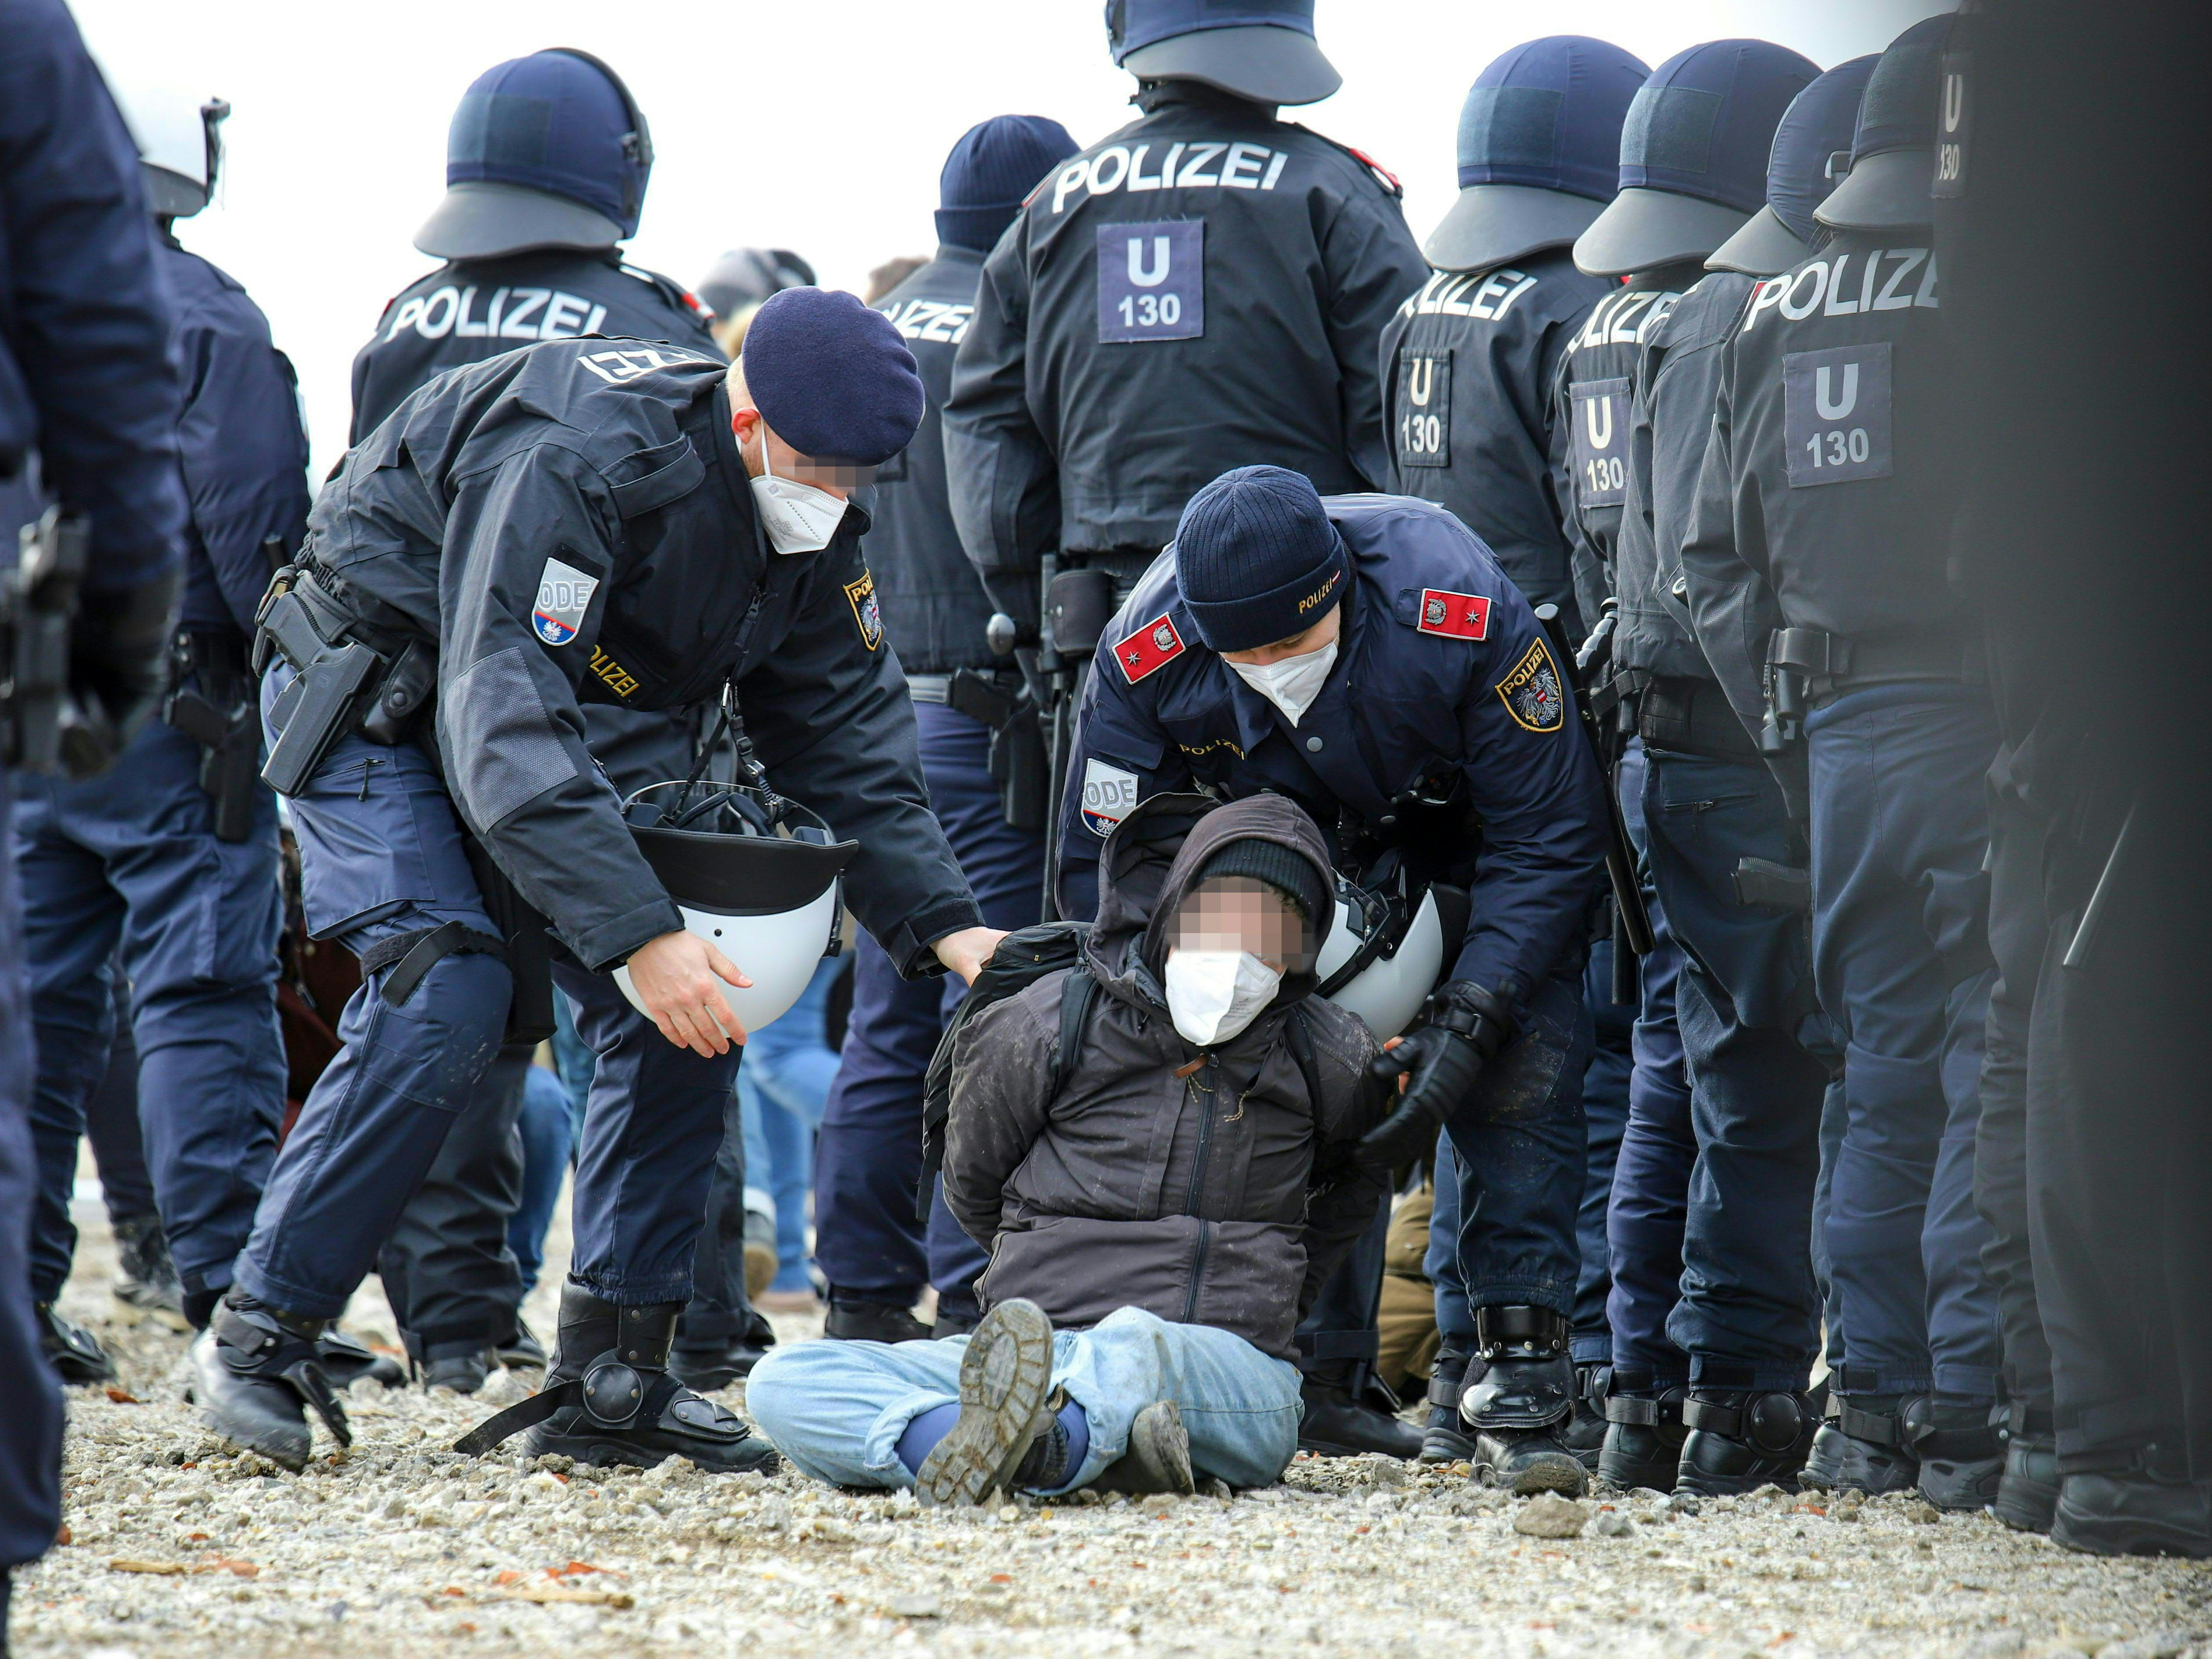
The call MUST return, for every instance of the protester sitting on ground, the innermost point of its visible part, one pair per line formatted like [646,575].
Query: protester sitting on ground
[1172,1210]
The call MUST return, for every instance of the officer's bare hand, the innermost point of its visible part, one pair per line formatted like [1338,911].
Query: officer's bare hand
[679,978]
[966,951]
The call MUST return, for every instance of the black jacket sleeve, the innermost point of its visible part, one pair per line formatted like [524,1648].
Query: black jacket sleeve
[1340,1195]
[1005,486]
[1723,549]
[1373,263]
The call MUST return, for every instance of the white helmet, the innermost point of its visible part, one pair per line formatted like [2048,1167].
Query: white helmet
[755,874]
[1387,950]
[179,144]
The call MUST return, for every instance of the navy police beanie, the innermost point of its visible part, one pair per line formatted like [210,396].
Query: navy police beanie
[1257,558]
[1548,115]
[990,173]
[1820,123]
[1703,124]
[832,377]
[557,121]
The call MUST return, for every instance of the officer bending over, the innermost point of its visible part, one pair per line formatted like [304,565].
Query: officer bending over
[1365,656]
[584,520]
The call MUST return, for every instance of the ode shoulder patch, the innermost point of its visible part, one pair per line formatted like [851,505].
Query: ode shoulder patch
[1454,615]
[564,594]
[1109,795]
[1531,692]
[861,595]
[1153,646]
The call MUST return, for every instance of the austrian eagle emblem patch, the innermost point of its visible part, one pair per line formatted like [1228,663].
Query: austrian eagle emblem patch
[1532,692]
[866,611]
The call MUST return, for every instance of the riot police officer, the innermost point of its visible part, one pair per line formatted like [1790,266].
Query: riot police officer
[1468,364]
[1366,656]
[1726,866]
[1819,565]
[534,210]
[88,399]
[173,856]
[739,284]
[983,758]
[582,520]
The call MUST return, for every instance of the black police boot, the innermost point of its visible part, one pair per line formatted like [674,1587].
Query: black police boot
[462,1373]
[955,1317]
[145,1279]
[1643,1439]
[2141,1504]
[1961,1452]
[1158,1458]
[609,1399]
[1865,1445]
[1444,1440]
[255,1371]
[74,1351]
[522,1352]
[1341,1421]
[346,1359]
[1520,1407]
[1585,1433]
[722,1361]
[2028,1492]
[1008,1434]
[1741,1439]
[849,1321]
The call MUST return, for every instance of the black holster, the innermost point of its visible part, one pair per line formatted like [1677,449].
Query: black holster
[522,929]
[1019,765]
[351,676]
[210,702]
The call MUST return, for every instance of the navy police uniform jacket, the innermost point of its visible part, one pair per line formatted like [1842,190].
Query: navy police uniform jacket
[241,446]
[1468,364]
[1670,422]
[572,522]
[934,606]
[1443,679]
[85,378]
[1827,500]
[1204,289]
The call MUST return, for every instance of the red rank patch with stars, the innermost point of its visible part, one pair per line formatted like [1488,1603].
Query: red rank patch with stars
[1152,645]
[1459,616]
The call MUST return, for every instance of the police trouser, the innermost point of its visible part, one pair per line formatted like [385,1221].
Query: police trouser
[1748,1315]
[1900,946]
[2019,932]
[1650,1186]
[111,1126]
[124,872]
[720,1312]
[30,1394]
[1510,1169]
[867,1160]
[1607,1081]
[1341,1333]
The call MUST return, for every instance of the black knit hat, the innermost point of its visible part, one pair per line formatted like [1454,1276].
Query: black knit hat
[1288,871]
[1257,558]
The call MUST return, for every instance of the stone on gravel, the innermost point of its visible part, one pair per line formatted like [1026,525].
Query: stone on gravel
[1610,1523]
[1550,1516]
[1923,1511]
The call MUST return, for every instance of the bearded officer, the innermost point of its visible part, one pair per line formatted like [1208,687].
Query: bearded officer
[1713,1284]
[547,162]
[869,1155]
[1366,656]
[582,520]
[1467,368]
[1819,577]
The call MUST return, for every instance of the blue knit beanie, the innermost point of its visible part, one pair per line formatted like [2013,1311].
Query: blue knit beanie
[1257,558]
[832,377]
[990,173]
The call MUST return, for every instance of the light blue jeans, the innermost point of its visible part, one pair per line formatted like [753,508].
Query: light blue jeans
[837,1409]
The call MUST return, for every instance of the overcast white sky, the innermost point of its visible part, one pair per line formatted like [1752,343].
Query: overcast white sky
[815,126]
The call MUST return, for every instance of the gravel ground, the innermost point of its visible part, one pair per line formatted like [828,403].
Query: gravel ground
[177,1548]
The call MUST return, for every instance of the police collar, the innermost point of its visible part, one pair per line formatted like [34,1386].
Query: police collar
[1153,96]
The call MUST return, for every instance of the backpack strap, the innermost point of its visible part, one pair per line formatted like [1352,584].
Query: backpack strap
[1076,997]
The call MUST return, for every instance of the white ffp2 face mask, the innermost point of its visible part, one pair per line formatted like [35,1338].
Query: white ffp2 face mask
[1214,995]
[1292,683]
[798,517]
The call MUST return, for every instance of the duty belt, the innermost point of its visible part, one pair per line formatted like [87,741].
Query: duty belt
[1808,668]
[929,688]
[1688,716]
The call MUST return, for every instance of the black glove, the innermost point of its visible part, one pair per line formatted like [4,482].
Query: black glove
[1466,1025]
[118,668]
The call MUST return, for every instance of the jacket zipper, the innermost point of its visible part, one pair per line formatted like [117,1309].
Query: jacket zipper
[1197,1181]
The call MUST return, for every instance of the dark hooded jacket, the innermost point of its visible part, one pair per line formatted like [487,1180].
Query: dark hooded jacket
[1203,1185]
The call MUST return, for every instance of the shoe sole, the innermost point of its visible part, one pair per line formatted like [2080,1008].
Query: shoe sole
[1161,1448]
[2026,1505]
[760,1271]
[2130,1537]
[1559,1472]
[603,1452]
[1442,1446]
[1005,1372]
[1654,1477]
[1735,1485]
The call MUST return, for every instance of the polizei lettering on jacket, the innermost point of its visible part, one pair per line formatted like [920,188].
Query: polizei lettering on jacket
[1187,164]
[1485,295]
[941,320]
[511,313]
[1847,284]
[1628,318]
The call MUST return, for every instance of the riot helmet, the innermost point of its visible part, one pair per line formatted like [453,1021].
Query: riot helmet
[1539,150]
[1693,155]
[549,150]
[1811,148]
[754,874]
[1393,939]
[1894,149]
[1262,50]
[179,145]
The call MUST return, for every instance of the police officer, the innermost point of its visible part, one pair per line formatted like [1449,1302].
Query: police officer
[1468,364]
[89,400]
[585,518]
[1820,562]
[535,207]
[739,284]
[968,706]
[1366,656]
[1725,864]
[173,856]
